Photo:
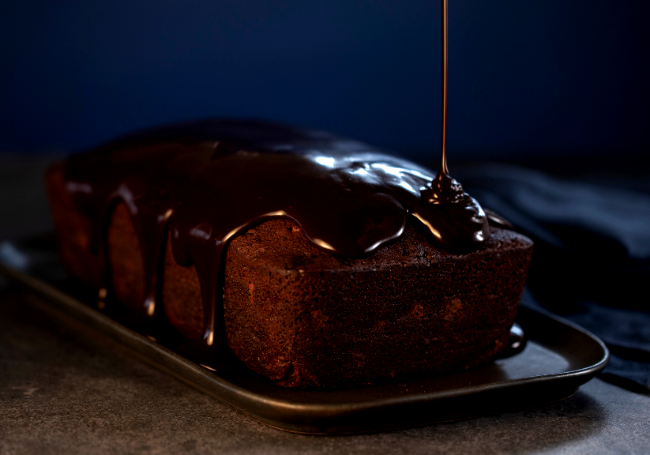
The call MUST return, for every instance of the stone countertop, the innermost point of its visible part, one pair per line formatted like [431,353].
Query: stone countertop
[63,393]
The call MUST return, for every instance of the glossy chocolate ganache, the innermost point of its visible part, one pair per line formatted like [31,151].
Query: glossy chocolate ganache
[209,181]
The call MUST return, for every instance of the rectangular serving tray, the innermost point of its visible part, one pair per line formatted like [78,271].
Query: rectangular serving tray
[558,358]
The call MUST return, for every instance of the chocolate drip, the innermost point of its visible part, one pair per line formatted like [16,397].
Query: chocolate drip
[465,224]
[207,182]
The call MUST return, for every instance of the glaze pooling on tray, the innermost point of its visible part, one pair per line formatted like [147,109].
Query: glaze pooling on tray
[209,181]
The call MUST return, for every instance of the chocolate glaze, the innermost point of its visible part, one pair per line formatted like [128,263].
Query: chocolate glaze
[208,181]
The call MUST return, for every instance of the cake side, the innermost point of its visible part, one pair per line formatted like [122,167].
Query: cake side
[73,230]
[125,264]
[181,295]
[306,318]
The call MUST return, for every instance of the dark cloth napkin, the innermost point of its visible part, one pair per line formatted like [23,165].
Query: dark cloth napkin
[591,260]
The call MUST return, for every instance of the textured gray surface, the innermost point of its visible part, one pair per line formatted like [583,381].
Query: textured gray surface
[63,393]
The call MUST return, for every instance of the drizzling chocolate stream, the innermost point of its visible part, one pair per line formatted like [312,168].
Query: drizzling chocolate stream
[207,182]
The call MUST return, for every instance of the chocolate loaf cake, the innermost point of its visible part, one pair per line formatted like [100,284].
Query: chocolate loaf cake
[316,260]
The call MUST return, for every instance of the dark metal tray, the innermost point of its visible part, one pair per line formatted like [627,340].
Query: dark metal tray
[557,359]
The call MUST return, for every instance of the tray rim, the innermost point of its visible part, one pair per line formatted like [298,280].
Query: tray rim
[231,394]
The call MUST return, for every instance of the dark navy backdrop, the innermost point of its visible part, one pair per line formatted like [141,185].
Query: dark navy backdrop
[527,77]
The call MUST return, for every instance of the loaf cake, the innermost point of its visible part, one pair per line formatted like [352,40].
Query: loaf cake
[316,260]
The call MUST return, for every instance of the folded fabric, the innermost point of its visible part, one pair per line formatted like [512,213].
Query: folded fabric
[591,262]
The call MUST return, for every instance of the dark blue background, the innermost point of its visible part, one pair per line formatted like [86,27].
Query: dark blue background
[533,77]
